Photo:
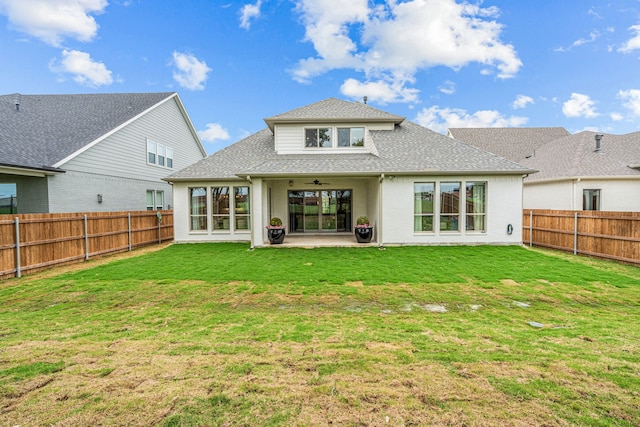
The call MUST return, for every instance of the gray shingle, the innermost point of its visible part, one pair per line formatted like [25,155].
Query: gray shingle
[511,143]
[48,128]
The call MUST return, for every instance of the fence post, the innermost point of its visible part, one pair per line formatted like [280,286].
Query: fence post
[575,233]
[159,227]
[530,228]
[18,271]
[129,228]
[86,239]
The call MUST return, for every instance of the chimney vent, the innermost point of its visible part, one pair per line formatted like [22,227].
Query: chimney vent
[365,99]
[598,138]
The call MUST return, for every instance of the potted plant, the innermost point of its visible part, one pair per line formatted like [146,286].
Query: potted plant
[275,231]
[363,230]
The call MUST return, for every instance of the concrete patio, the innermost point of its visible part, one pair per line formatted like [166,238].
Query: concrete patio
[321,240]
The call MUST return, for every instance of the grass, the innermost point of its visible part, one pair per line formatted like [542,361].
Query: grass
[214,334]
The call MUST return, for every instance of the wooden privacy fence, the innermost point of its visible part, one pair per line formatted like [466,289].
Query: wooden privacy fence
[610,235]
[31,242]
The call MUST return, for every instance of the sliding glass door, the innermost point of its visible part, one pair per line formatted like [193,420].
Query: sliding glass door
[319,211]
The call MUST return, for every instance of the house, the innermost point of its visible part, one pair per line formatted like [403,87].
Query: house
[584,171]
[320,167]
[94,152]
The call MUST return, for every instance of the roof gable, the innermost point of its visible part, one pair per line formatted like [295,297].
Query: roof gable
[334,110]
[40,131]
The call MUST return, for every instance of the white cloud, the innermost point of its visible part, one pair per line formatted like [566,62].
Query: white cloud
[190,72]
[53,20]
[448,87]
[213,132]
[379,91]
[393,41]
[616,117]
[85,70]
[593,36]
[249,12]
[440,119]
[632,98]
[579,105]
[522,101]
[633,43]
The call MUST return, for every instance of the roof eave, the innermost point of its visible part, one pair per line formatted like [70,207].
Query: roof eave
[271,121]
[41,172]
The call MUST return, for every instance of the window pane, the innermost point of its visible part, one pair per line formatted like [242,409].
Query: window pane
[220,208]
[151,152]
[198,208]
[423,206]
[450,197]
[242,200]
[476,223]
[161,154]
[476,202]
[159,200]
[423,223]
[150,201]
[324,137]
[344,137]
[591,200]
[169,157]
[311,137]
[357,137]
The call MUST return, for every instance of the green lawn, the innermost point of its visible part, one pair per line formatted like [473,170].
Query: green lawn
[215,334]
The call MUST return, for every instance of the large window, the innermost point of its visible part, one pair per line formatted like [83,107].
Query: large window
[423,206]
[198,208]
[318,138]
[591,200]
[350,137]
[159,154]
[449,206]
[476,206]
[242,208]
[220,208]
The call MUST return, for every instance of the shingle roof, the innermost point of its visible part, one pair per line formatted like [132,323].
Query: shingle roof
[333,109]
[408,149]
[574,156]
[46,129]
[511,143]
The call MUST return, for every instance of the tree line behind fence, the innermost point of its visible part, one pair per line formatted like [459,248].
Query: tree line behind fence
[32,242]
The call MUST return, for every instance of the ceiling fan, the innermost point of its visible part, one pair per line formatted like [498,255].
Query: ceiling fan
[317,182]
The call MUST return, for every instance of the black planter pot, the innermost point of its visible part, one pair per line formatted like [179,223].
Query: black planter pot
[276,235]
[363,234]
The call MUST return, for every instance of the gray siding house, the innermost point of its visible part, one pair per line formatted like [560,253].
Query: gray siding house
[94,152]
[321,166]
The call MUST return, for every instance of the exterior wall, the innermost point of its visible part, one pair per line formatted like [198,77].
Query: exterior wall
[504,207]
[78,192]
[117,166]
[289,139]
[615,194]
[181,229]
[31,192]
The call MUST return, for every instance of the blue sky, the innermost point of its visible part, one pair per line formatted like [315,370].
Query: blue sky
[440,63]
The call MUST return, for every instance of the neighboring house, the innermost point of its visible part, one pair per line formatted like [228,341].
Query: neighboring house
[322,166]
[95,152]
[584,171]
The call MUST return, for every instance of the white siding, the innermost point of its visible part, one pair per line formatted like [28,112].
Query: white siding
[616,194]
[504,207]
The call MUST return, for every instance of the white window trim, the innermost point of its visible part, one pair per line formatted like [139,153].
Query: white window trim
[334,137]
[166,150]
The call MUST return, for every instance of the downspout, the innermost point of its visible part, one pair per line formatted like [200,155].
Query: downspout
[380,245]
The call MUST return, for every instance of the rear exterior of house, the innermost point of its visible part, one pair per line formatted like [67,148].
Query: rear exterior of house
[100,152]
[322,166]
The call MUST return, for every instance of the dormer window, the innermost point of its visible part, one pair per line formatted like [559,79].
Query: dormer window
[318,138]
[324,137]
[351,137]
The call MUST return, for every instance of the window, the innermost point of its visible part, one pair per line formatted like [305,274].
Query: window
[198,208]
[591,200]
[155,200]
[159,200]
[476,204]
[351,137]
[449,206]
[150,200]
[220,208]
[159,154]
[242,208]
[151,152]
[423,206]
[170,157]
[317,137]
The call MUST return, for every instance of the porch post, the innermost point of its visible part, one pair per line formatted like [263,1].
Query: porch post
[379,225]
[258,203]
